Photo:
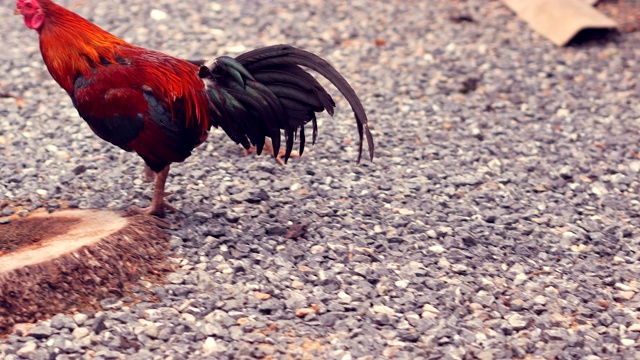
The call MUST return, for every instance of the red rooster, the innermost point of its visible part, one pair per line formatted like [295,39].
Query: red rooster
[163,107]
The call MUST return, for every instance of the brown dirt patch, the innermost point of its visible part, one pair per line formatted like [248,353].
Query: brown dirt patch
[103,254]
[24,232]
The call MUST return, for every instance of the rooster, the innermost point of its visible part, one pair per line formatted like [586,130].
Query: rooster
[163,107]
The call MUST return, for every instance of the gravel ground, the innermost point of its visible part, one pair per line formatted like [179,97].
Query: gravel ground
[497,221]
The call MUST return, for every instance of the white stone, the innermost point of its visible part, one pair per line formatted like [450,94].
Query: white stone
[623,287]
[344,297]
[27,350]
[599,189]
[316,249]
[520,279]
[495,165]
[444,263]
[80,318]
[188,317]
[80,332]
[151,331]
[158,15]
[627,342]
[403,211]
[569,235]
[211,346]
[430,308]
[347,356]
[382,309]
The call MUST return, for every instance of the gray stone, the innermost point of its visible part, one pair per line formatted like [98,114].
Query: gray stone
[41,331]
[27,350]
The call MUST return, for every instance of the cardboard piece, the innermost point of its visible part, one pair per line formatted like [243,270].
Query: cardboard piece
[560,20]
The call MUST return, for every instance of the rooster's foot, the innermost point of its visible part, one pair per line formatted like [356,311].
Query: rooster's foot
[158,207]
[268,149]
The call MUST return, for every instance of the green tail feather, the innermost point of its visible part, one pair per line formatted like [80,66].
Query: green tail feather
[265,90]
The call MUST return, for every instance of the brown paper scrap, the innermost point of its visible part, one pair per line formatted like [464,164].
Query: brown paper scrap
[560,20]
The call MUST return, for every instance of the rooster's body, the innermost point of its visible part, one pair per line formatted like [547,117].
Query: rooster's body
[162,107]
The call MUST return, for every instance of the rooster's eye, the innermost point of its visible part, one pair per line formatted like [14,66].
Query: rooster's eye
[29,5]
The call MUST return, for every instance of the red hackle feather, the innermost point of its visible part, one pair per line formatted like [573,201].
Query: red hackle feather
[75,46]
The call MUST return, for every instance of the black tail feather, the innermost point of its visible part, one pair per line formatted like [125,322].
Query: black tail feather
[269,92]
[297,77]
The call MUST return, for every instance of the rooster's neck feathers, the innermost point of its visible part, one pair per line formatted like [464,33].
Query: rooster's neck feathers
[72,46]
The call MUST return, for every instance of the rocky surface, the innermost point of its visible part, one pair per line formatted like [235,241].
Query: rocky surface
[499,219]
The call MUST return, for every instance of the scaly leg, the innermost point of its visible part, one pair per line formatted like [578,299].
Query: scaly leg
[158,206]
[149,175]
[268,148]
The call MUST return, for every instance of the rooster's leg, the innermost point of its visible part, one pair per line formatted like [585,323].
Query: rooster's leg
[149,175]
[267,148]
[158,206]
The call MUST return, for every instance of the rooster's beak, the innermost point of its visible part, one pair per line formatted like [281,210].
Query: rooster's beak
[17,12]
